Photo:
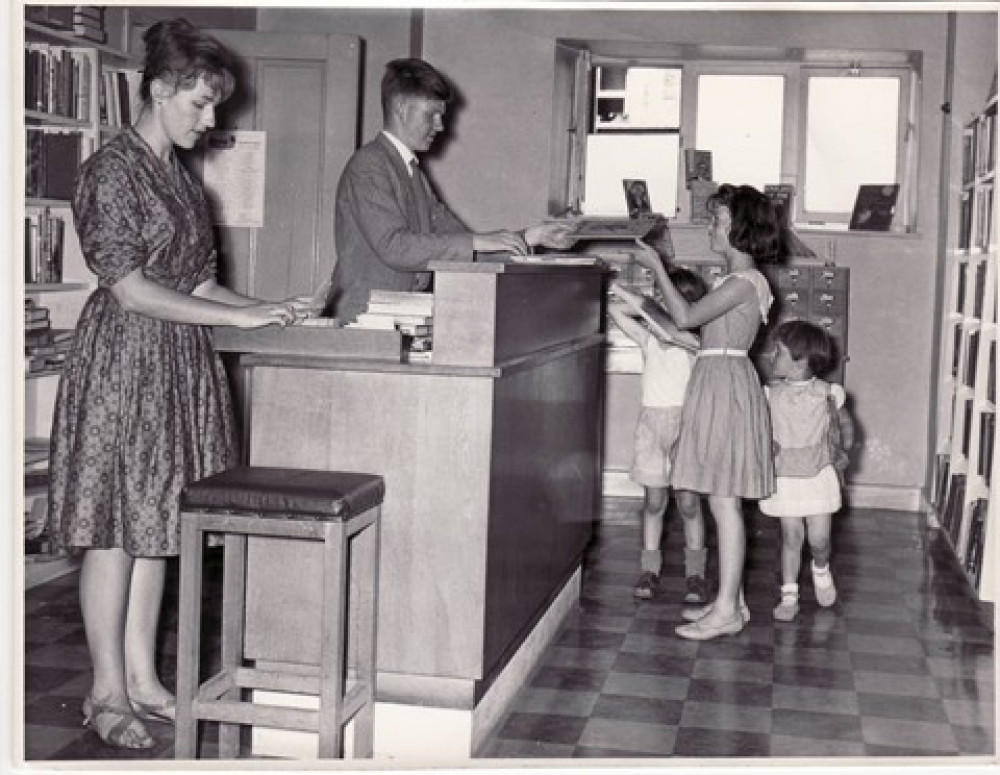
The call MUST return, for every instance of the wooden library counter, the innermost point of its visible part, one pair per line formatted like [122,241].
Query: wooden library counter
[490,455]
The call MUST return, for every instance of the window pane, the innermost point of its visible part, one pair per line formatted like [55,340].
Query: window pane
[612,158]
[851,131]
[739,121]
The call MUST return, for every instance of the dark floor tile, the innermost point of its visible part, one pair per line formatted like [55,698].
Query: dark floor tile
[732,692]
[816,724]
[711,743]
[798,675]
[545,728]
[568,679]
[653,664]
[43,679]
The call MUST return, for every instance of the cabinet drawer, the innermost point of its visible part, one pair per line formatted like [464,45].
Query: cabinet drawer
[828,302]
[834,325]
[791,303]
[794,277]
[830,278]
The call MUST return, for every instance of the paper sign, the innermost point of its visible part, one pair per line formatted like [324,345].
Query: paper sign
[233,176]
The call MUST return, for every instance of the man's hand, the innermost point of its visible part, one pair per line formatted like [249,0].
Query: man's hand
[551,234]
[499,242]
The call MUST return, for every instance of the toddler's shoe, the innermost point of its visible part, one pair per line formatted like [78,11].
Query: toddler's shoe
[826,592]
[696,589]
[646,586]
[788,608]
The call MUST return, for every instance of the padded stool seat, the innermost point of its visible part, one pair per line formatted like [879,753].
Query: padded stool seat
[339,509]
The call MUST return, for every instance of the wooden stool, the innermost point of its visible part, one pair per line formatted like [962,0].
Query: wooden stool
[342,511]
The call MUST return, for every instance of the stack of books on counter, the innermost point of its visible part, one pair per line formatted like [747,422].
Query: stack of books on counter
[45,347]
[410,312]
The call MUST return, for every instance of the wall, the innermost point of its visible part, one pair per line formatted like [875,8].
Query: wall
[503,62]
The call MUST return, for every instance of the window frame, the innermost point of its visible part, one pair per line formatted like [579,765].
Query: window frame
[904,74]
[795,66]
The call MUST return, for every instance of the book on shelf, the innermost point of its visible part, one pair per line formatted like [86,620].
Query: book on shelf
[955,508]
[984,216]
[972,359]
[965,221]
[697,165]
[941,481]
[53,161]
[43,247]
[979,290]
[967,427]
[991,375]
[57,80]
[987,439]
[956,350]
[119,95]
[977,537]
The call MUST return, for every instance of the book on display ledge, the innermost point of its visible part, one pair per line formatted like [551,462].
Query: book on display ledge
[659,322]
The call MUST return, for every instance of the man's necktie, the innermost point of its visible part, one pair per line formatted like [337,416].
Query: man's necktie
[421,196]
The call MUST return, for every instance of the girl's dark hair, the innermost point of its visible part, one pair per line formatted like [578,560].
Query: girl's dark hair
[689,284]
[807,340]
[412,78]
[755,228]
[178,53]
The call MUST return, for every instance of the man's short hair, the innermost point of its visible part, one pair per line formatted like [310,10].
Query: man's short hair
[412,78]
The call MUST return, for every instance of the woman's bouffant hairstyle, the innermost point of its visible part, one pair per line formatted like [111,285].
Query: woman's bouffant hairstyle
[412,78]
[807,340]
[755,229]
[178,53]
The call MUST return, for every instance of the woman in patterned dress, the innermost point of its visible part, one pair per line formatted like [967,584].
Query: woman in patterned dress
[143,406]
[724,448]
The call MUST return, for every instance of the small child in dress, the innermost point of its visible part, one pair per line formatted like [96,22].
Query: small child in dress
[666,368]
[807,487]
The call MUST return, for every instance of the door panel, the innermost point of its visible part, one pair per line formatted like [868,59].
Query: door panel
[303,91]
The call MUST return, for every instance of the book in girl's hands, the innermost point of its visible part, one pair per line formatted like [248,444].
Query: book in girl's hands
[659,322]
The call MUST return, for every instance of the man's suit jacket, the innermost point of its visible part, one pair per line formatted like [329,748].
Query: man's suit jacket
[386,231]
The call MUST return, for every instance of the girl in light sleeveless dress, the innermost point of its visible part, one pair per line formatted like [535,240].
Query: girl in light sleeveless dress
[724,449]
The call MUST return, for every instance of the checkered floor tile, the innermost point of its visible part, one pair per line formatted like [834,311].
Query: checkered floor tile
[902,665]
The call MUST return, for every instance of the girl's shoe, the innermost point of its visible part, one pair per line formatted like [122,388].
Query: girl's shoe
[788,608]
[165,712]
[826,592]
[700,612]
[699,630]
[116,726]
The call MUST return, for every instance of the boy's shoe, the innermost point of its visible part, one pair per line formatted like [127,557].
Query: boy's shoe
[696,589]
[788,608]
[646,586]
[826,592]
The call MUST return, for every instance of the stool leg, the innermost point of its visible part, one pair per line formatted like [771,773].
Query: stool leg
[334,645]
[188,638]
[364,569]
[233,610]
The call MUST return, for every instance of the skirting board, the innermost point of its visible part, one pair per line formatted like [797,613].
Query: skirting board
[415,735]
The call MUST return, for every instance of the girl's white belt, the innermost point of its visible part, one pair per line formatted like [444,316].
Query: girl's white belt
[723,351]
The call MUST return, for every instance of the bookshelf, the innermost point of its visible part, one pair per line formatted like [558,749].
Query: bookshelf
[68,53]
[964,488]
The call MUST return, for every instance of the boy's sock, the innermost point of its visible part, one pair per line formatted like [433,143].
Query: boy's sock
[826,592]
[788,608]
[694,562]
[651,561]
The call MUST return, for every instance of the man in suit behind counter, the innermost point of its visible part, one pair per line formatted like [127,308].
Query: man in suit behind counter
[389,221]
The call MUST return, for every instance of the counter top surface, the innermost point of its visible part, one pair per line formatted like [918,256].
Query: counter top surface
[568,262]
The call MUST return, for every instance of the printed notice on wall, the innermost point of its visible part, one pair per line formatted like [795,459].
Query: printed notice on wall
[233,176]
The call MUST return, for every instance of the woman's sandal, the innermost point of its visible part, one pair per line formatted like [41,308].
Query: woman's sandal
[115,725]
[165,712]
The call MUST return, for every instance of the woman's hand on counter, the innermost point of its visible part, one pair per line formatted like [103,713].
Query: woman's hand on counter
[265,313]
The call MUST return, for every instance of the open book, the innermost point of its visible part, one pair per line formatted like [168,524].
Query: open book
[659,322]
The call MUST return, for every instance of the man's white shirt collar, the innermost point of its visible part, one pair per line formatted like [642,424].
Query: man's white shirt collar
[404,152]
